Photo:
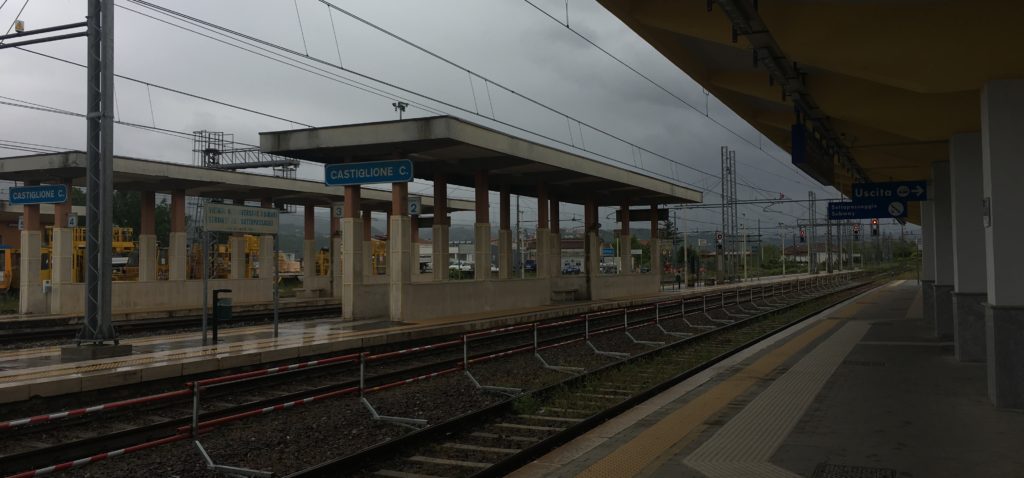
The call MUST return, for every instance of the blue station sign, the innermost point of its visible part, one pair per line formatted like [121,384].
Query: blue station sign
[867,209]
[44,194]
[351,174]
[896,190]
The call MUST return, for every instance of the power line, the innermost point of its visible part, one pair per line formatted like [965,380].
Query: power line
[172,90]
[229,32]
[706,113]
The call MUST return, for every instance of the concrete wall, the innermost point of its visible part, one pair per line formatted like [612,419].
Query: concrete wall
[373,300]
[439,299]
[131,296]
[607,286]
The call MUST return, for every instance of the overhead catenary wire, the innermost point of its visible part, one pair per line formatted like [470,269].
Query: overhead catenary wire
[209,26]
[706,113]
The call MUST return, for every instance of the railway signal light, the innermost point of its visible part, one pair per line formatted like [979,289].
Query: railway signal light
[874,227]
[803,235]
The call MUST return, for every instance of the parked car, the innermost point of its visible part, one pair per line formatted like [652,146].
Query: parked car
[530,265]
[570,269]
[461,266]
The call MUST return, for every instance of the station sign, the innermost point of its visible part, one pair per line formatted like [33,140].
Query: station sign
[639,215]
[867,209]
[415,205]
[896,190]
[352,174]
[44,194]
[240,219]
[608,251]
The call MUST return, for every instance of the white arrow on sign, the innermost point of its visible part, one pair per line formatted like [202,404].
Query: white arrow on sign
[918,190]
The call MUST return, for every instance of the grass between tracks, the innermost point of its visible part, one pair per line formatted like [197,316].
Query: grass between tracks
[602,389]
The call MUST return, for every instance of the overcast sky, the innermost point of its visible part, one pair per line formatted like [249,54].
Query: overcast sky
[506,41]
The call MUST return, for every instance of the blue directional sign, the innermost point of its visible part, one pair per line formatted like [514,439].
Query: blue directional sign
[894,208]
[45,194]
[350,174]
[897,190]
[607,251]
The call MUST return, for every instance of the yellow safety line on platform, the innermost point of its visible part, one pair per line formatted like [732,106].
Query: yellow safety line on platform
[639,452]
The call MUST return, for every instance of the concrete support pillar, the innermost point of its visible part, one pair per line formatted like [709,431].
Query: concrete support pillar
[555,240]
[439,231]
[655,244]
[968,247]
[625,241]
[543,236]
[482,229]
[943,240]
[266,260]
[505,234]
[61,247]
[370,268]
[30,292]
[591,246]
[352,261]
[148,252]
[928,260]
[309,246]
[1002,140]
[336,276]
[400,256]
[177,246]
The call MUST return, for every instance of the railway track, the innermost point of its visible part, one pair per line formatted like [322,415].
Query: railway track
[510,434]
[61,442]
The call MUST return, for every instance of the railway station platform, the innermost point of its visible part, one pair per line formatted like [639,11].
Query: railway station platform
[31,372]
[864,389]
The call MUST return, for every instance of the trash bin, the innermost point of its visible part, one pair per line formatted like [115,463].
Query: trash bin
[221,309]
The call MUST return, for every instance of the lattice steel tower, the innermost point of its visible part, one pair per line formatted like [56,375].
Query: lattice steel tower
[730,227]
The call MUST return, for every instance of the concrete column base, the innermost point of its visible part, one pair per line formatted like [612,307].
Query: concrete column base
[369,267]
[266,265]
[74,353]
[308,262]
[928,300]
[504,254]
[555,253]
[352,263]
[625,254]
[1004,337]
[30,289]
[61,256]
[148,255]
[543,252]
[399,266]
[439,255]
[969,326]
[943,311]
[482,251]
[177,255]
[237,257]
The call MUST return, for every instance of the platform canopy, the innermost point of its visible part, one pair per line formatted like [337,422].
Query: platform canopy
[133,174]
[458,149]
[887,81]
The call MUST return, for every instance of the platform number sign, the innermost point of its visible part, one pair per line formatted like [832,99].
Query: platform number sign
[415,205]
[337,209]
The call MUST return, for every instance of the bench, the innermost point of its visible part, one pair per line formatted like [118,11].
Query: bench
[563,295]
